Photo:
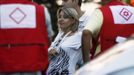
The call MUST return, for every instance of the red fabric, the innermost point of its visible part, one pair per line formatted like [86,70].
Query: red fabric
[110,31]
[14,1]
[25,50]
[132,2]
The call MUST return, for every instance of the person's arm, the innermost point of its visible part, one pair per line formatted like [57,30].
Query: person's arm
[91,31]
[86,45]
[49,24]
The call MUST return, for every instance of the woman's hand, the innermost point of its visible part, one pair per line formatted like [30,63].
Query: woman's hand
[53,52]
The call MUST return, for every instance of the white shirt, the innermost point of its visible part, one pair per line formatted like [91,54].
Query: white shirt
[89,7]
[69,52]
[83,20]
[95,23]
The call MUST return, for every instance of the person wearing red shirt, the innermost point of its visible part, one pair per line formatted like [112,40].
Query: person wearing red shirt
[113,23]
[23,39]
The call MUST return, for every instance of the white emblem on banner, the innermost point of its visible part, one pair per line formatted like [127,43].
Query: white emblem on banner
[18,16]
[122,14]
[126,14]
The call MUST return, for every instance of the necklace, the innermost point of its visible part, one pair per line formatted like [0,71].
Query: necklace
[62,38]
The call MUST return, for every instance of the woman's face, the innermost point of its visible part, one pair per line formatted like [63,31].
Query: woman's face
[64,21]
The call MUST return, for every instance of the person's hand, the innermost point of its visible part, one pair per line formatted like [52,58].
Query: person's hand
[53,52]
